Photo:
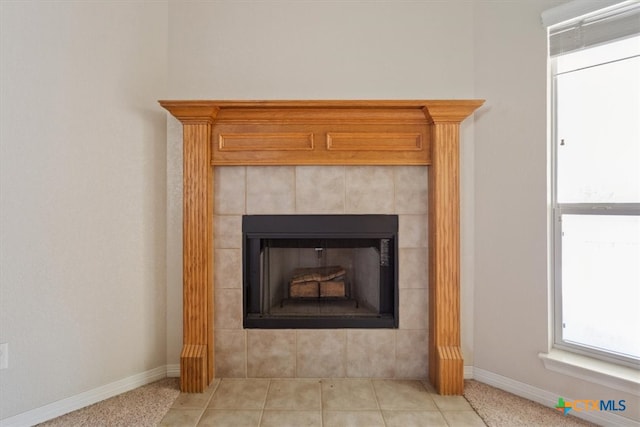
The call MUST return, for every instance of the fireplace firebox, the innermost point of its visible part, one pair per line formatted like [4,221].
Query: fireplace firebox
[320,271]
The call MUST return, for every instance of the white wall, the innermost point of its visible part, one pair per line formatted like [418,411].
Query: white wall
[82,196]
[318,50]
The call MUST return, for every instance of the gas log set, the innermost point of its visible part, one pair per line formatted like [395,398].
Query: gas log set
[323,282]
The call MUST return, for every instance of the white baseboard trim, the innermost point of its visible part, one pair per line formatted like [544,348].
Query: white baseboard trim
[173,371]
[468,372]
[548,398]
[73,403]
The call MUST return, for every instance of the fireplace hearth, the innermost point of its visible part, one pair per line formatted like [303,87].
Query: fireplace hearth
[320,271]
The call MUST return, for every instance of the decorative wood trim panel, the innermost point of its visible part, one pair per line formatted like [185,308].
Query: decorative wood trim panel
[265,142]
[361,141]
[366,133]
[423,132]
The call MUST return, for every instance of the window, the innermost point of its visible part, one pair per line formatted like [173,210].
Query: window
[595,191]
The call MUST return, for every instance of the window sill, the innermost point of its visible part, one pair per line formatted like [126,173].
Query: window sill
[610,375]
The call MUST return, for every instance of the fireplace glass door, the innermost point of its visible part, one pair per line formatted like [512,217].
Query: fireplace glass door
[320,271]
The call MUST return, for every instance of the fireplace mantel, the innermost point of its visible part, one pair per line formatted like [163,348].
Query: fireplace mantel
[413,132]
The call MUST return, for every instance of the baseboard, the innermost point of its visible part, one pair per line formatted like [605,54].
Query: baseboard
[468,372]
[73,403]
[547,398]
[173,371]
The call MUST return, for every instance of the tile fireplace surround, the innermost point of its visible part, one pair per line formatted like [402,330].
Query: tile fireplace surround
[322,157]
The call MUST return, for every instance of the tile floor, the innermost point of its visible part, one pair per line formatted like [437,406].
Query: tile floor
[320,402]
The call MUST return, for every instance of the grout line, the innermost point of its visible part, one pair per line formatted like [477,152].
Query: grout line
[246,188]
[344,189]
[264,403]
[345,355]
[199,418]
[295,189]
[321,403]
[394,177]
[206,405]
[375,396]
[246,353]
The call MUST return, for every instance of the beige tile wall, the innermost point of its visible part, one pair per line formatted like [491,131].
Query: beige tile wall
[313,353]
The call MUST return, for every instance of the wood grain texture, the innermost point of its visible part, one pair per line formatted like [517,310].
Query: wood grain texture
[357,133]
[454,109]
[197,248]
[444,260]
[379,141]
[450,370]
[351,137]
[262,141]
[193,368]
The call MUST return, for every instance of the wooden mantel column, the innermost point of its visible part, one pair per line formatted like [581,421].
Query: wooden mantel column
[197,356]
[446,364]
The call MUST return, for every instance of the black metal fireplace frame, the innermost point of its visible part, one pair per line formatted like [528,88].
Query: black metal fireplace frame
[256,228]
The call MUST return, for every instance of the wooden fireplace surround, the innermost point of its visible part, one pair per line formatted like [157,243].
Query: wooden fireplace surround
[415,132]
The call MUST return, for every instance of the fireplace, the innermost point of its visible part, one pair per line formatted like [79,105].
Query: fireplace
[320,271]
[296,133]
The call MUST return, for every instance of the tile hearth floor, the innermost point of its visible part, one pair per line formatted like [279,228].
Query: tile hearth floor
[320,402]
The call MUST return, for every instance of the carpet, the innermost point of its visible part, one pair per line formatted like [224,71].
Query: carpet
[501,409]
[141,407]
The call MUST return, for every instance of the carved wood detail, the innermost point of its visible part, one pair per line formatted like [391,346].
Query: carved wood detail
[415,132]
[320,136]
[379,141]
[265,141]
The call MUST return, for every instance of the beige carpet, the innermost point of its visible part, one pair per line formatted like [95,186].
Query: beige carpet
[141,407]
[501,409]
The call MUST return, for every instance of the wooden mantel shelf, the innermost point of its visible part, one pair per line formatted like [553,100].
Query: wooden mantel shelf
[365,132]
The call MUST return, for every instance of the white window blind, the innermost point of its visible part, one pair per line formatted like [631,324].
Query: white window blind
[616,20]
